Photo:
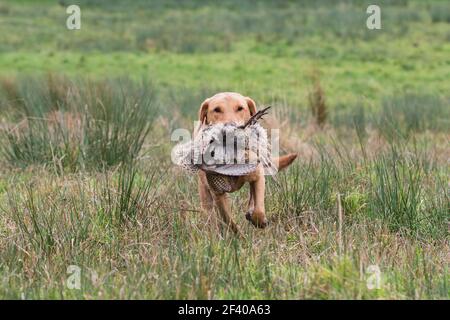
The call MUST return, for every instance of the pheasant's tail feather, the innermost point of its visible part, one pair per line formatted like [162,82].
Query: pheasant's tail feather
[256,117]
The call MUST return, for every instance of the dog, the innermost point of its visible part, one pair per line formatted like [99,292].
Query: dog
[232,107]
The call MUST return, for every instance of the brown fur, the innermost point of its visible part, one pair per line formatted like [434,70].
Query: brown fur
[233,107]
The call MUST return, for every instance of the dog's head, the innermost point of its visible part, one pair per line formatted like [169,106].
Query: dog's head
[227,107]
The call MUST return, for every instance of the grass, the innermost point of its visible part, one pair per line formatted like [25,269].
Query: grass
[72,127]
[160,253]
[85,171]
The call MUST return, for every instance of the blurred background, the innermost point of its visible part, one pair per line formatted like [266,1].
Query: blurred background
[269,50]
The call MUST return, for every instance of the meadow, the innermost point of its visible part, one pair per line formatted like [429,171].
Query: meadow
[86,178]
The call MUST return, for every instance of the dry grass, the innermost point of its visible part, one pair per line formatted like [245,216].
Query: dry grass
[316,99]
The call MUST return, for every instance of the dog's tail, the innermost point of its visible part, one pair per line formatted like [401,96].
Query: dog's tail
[284,161]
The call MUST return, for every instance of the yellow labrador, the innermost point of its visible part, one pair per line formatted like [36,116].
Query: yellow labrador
[231,107]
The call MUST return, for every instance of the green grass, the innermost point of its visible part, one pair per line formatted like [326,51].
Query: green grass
[85,171]
[73,126]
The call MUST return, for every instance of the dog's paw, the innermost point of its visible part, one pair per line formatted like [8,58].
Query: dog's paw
[257,219]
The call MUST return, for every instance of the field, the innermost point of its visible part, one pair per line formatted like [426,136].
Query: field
[87,186]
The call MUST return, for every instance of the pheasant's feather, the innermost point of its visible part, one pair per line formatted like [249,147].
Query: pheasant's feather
[234,170]
[223,164]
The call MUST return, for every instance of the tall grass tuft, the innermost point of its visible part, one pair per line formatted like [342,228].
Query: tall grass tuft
[73,126]
[50,222]
[54,216]
[407,197]
[316,100]
[439,13]
[130,193]
[307,186]
[400,116]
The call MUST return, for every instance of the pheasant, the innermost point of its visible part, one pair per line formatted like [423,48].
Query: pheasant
[222,161]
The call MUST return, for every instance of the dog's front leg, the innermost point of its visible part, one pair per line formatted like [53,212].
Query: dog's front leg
[251,202]
[258,215]
[223,205]
[206,200]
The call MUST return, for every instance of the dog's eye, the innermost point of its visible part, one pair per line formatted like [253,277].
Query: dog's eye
[217,109]
[240,108]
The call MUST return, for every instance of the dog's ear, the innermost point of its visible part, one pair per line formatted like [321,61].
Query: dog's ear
[202,112]
[251,105]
